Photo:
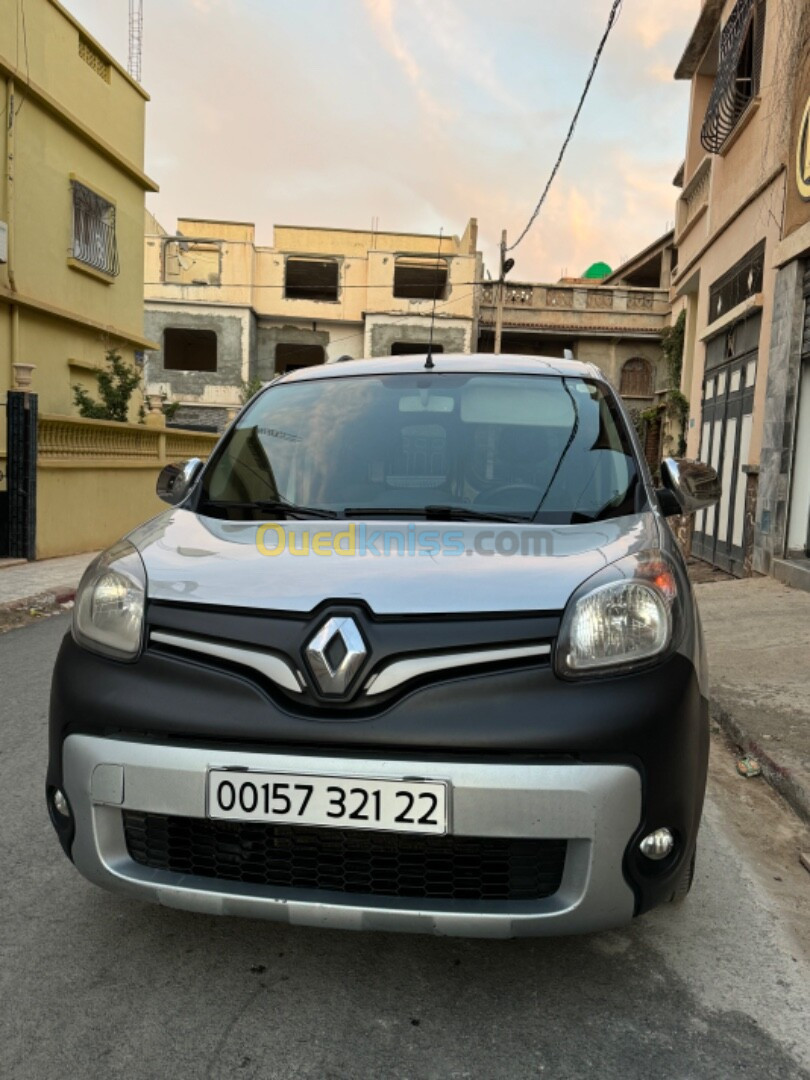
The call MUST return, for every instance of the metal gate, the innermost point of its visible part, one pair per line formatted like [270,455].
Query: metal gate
[798,536]
[18,503]
[721,533]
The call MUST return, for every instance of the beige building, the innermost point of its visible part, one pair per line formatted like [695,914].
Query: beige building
[614,322]
[743,236]
[226,310]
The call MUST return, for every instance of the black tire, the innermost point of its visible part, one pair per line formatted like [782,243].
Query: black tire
[685,883]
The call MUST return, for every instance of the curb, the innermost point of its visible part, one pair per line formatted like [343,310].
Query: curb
[43,603]
[791,783]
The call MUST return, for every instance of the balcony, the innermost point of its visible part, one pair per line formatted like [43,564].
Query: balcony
[577,309]
[694,199]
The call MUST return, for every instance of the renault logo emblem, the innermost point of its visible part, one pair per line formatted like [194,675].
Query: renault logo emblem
[335,654]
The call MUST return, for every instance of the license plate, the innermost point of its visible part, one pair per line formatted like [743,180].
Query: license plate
[338,801]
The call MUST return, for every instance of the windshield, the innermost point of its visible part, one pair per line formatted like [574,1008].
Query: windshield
[540,447]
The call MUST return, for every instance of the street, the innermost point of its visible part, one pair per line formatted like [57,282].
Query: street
[94,985]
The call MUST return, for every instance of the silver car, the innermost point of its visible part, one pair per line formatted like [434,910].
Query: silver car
[414,650]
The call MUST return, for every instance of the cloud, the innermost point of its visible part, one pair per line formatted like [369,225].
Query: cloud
[381,13]
[650,23]
[451,33]
[422,114]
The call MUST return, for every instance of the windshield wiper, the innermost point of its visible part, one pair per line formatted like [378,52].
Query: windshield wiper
[433,513]
[273,506]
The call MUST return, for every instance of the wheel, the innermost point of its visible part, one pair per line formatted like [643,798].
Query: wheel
[685,884]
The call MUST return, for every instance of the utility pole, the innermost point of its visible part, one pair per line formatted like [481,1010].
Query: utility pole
[499,301]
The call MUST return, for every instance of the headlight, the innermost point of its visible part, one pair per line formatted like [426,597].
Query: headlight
[108,614]
[624,617]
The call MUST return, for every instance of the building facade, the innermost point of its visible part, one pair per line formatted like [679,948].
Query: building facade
[71,208]
[226,311]
[743,237]
[615,323]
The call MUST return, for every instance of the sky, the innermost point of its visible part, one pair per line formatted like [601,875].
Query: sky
[419,113]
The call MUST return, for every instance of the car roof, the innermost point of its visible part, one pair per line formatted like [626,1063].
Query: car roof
[459,363]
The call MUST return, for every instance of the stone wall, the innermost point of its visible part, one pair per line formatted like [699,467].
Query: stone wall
[268,336]
[784,363]
[232,328]
[384,335]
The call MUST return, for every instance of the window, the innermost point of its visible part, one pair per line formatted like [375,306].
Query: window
[420,278]
[413,348]
[738,284]
[192,262]
[738,74]
[189,350]
[293,355]
[94,230]
[636,380]
[311,279]
[545,448]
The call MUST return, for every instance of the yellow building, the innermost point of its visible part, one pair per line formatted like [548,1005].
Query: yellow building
[71,207]
[743,278]
[226,310]
[71,287]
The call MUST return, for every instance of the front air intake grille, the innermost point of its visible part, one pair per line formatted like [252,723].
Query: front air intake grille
[347,860]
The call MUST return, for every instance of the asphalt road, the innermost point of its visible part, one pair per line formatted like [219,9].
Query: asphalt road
[92,985]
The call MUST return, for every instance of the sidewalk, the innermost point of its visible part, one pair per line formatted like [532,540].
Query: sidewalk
[758,642]
[40,585]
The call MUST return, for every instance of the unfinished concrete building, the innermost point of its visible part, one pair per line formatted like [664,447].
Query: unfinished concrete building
[226,310]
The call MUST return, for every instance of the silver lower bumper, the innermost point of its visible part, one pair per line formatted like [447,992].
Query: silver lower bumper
[595,807]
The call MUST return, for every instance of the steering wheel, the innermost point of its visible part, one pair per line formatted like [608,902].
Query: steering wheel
[511,496]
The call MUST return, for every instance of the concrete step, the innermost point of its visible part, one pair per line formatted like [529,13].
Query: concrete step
[793,572]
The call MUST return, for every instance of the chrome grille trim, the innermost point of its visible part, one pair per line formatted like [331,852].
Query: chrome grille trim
[273,667]
[401,671]
[392,675]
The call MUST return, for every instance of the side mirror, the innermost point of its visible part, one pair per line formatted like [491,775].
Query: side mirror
[174,481]
[693,485]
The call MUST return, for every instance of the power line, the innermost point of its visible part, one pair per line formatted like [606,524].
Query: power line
[298,288]
[614,12]
[27,66]
[398,322]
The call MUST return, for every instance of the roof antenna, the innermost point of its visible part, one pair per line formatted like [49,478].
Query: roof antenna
[429,358]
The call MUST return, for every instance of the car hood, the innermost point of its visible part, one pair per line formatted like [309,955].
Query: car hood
[395,567]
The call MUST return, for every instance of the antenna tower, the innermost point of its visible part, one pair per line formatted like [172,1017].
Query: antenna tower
[135,38]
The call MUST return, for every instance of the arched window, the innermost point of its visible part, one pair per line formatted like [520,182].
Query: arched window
[636,380]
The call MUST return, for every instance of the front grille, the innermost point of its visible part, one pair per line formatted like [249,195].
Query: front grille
[348,860]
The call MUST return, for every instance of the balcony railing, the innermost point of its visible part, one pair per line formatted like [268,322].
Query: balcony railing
[695,195]
[578,300]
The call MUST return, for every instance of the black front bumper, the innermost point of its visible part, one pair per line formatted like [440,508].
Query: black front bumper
[656,721]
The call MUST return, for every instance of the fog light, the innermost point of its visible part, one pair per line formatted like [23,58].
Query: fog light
[60,803]
[658,844]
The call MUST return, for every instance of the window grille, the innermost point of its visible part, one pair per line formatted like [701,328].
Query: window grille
[742,281]
[93,58]
[94,240]
[636,380]
[738,75]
